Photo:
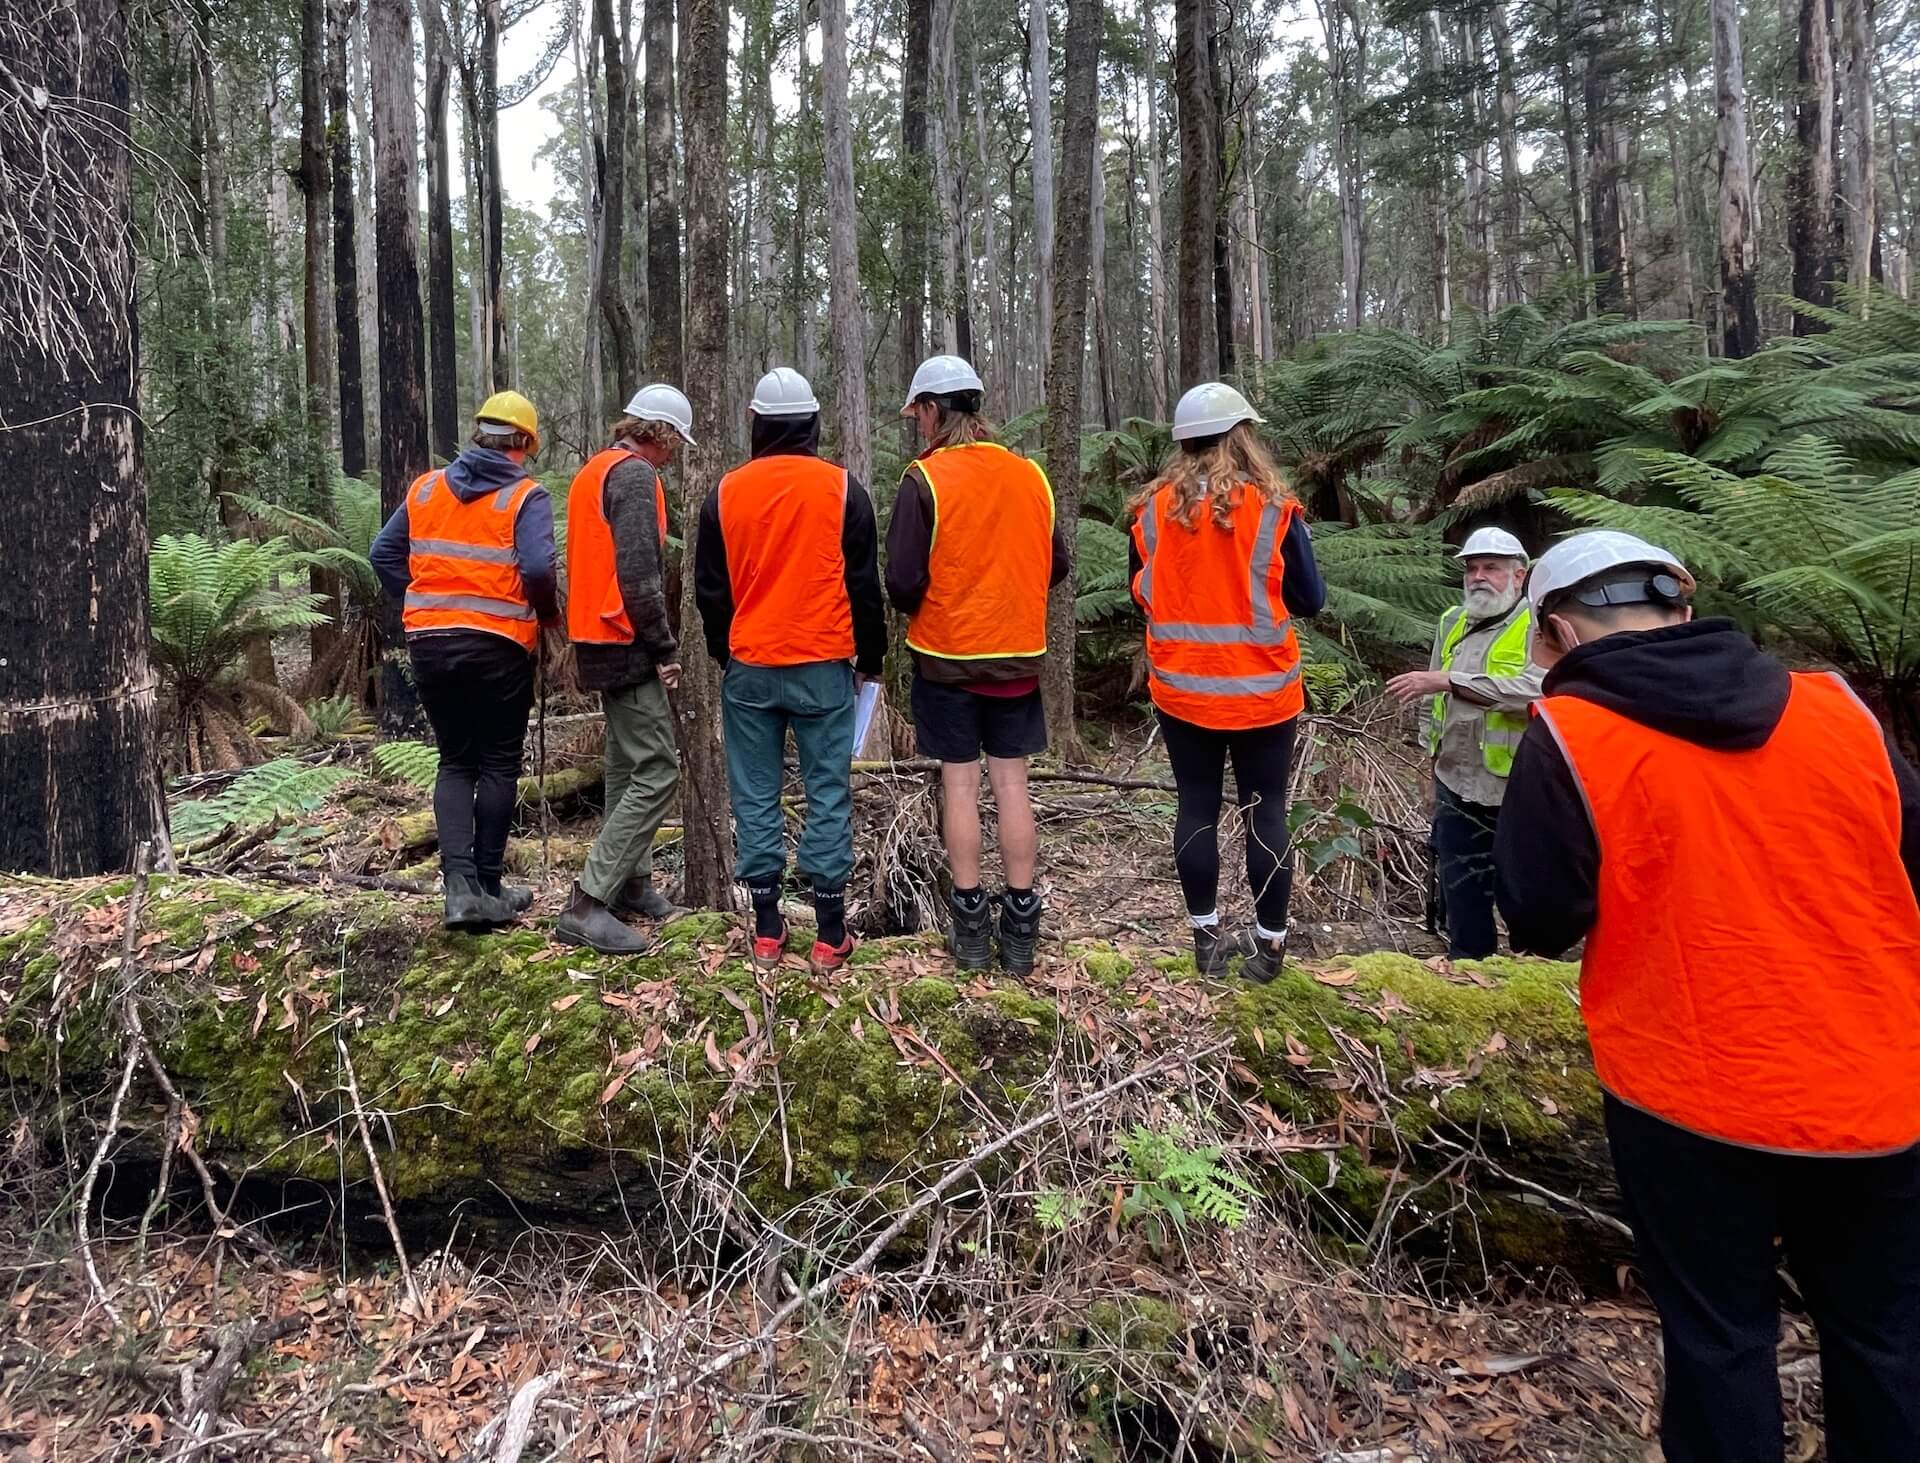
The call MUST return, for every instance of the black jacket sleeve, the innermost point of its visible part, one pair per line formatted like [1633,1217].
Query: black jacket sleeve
[1546,855]
[1908,782]
[1301,586]
[712,584]
[860,547]
[1062,558]
[910,543]
[637,555]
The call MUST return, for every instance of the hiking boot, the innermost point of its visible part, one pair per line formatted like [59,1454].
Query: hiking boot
[1266,959]
[971,936]
[470,907]
[1019,934]
[769,950]
[638,896]
[1214,946]
[589,922]
[826,958]
[517,897]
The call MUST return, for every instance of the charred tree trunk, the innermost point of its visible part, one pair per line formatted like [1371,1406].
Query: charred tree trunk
[1199,191]
[488,125]
[703,787]
[346,273]
[1810,216]
[443,345]
[79,760]
[1066,357]
[663,200]
[1738,306]
[846,308]
[316,196]
[1222,217]
[403,366]
[612,237]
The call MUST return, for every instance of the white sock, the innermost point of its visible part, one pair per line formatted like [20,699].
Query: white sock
[1204,921]
[1261,932]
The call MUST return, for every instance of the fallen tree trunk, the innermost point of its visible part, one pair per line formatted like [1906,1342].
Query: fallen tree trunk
[570,1083]
[565,786]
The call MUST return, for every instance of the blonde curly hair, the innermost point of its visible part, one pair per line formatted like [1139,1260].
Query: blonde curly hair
[1210,470]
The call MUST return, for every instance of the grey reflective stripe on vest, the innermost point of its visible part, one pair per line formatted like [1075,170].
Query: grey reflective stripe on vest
[454,549]
[1228,685]
[1150,531]
[503,609]
[1261,568]
[425,490]
[504,497]
[1221,634]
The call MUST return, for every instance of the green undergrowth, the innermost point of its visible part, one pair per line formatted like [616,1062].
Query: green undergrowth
[495,1058]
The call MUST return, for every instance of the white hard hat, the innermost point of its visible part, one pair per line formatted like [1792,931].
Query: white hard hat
[1492,543]
[1574,560]
[662,403]
[940,376]
[1209,409]
[784,392]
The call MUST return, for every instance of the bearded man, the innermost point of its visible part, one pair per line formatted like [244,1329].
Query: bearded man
[1480,680]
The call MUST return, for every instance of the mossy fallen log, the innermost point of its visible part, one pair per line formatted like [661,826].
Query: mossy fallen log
[564,786]
[508,1065]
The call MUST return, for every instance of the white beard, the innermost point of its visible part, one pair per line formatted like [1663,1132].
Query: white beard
[1489,604]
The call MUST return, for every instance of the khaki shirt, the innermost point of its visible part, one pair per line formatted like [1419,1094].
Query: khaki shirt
[1459,763]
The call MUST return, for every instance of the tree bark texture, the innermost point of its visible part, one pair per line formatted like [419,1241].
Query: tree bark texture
[703,784]
[1440,191]
[1601,46]
[610,243]
[316,196]
[846,307]
[1738,306]
[663,199]
[487,123]
[919,195]
[1073,256]
[1506,112]
[79,760]
[1199,191]
[1810,203]
[346,281]
[1857,180]
[1223,311]
[1156,218]
[442,334]
[1040,128]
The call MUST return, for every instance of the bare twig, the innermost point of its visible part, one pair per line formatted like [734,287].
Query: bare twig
[379,1178]
[520,1414]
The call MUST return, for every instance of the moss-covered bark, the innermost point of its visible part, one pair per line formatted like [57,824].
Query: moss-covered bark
[494,1056]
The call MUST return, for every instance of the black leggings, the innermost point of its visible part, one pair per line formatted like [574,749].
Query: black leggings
[1262,759]
[477,689]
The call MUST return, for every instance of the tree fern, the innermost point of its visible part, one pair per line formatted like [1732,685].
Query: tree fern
[415,763]
[263,794]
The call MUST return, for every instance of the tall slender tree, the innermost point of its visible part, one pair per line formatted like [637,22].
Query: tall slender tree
[442,334]
[912,265]
[1156,224]
[316,195]
[1040,128]
[1810,188]
[610,242]
[703,786]
[845,307]
[1738,305]
[1857,179]
[346,282]
[79,765]
[663,198]
[1074,255]
[1199,190]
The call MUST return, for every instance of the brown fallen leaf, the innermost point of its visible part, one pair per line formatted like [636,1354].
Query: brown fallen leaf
[532,1042]
[713,1057]
[567,1003]
[1336,977]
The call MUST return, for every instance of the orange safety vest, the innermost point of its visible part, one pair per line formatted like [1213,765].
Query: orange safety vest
[1221,652]
[782,517]
[463,575]
[596,614]
[991,558]
[1753,972]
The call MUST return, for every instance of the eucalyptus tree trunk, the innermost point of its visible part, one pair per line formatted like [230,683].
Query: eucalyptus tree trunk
[1199,191]
[1478,221]
[487,124]
[589,121]
[846,308]
[1346,60]
[1100,357]
[1810,189]
[1739,307]
[316,196]
[943,126]
[443,351]
[346,283]
[1223,314]
[367,270]
[997,376]
[1572,64]
[1040,127]
[1679,165]
[663,200]
[1440,179]
[800,292]
[403,366]
[912,263]
[1067,351]
[611,238]
[1857,180]
[79,755]
[1156,218]
[1506,113]
[703,786]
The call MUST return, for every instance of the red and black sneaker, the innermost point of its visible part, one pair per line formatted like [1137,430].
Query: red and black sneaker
[827,958]
[769,950]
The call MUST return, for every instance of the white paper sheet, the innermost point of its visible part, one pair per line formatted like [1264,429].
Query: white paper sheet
[863,714]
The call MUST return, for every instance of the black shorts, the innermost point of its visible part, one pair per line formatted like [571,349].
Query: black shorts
[956,725]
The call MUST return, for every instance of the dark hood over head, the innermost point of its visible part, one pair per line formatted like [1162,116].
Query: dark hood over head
[478,471]
[786,436]
[1704,681]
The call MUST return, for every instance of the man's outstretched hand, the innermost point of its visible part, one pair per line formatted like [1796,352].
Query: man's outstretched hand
[1412,685]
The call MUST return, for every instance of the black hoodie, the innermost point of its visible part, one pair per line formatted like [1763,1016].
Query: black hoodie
[1704,681]
[859,545]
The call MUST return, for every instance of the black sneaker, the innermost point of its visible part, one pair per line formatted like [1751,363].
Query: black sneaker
[1266,960]
[1019,935]
[1214,946]
[970,937]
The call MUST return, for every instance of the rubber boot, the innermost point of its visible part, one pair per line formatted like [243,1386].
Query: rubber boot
[971,936]
[589,922]
[1266,960]
[639,897]
[469,907]
[1019,935]
[1214,946]
[517,897]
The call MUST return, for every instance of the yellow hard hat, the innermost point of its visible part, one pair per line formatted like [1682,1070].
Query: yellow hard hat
[513,409]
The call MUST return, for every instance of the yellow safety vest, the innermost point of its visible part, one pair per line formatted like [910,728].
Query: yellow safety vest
[1500,731]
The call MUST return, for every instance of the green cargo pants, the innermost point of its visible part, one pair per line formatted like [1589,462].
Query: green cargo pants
[758,705]
[643,771]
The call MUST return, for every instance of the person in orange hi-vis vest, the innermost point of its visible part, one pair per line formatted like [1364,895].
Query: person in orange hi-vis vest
[469,554]
[787,579]
[624,647]
[1222,563]
[972,550]
[1739,846]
